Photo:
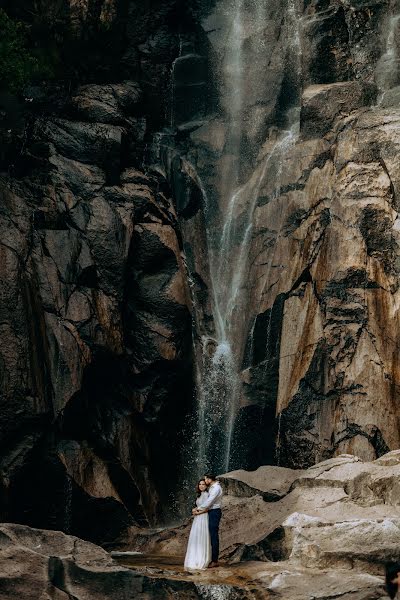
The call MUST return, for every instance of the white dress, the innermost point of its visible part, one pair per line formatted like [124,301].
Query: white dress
[198,553]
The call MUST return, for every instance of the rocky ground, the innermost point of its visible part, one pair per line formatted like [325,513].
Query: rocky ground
[323,533]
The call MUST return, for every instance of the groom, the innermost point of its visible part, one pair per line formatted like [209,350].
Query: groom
[213,505]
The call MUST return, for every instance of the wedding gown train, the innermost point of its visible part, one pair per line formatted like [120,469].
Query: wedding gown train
[198,553]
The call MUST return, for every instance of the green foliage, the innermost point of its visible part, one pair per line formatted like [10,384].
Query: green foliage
[18,64]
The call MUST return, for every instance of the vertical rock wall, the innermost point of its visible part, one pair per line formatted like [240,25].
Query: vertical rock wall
[96,362]
[320,366]
[96,352]
[331,250]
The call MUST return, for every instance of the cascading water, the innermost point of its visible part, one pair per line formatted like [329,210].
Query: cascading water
[241,45]
[68,504]
[219,380]
[228,238]
[221,385]
[388,67]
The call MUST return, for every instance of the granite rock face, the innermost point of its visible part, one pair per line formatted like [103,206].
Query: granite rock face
[104,268]
[36,564]
[336,219]
[349,510]
[43,564]
[316,334]
[95,360]
[49,564]
[330,534]
[96,334]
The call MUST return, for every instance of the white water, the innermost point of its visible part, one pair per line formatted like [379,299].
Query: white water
[228,246]
[230,254]
[229,218]
[171,118]
[388,67]
[221,386]
[68,504]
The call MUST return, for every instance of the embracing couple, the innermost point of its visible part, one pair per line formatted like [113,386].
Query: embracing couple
[203,545]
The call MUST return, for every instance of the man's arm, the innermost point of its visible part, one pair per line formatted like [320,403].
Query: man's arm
[214,492]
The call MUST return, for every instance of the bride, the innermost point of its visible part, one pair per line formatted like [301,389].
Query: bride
[198,553]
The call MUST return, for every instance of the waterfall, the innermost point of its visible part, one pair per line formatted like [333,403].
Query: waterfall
[221,387]
[278,441]
[229,207]
[388,67]
[170,107]
[68,491]
[229,238]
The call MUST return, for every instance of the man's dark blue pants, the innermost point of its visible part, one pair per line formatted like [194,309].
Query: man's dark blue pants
[214,517]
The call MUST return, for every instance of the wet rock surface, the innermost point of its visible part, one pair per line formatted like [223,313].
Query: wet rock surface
[103,217]
[96,332]
[318,363]
[329,536]
[342,493]
[38,563]
[339,296]
[95,360]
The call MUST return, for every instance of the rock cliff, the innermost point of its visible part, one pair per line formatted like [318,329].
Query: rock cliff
[203,194]
[96,352]
[313,245]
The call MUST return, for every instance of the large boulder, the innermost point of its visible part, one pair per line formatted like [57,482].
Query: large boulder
[112,103]
[358,544]
[48,564]
[329,535]
[272,483]
[298,584]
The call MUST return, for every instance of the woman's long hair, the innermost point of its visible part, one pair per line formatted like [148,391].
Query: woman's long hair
[198,491]
[391,573]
